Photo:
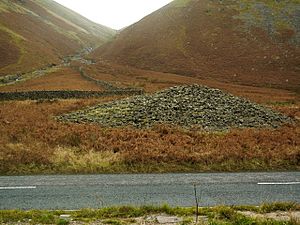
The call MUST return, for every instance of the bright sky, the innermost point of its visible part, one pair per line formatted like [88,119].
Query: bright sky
[114,13]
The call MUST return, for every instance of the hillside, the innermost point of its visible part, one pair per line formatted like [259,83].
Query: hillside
[35,33]
[247,42]
[217,54]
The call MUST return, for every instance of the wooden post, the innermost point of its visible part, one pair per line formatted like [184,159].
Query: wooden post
[197,203]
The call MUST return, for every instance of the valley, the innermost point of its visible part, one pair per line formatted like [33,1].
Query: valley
[75,80]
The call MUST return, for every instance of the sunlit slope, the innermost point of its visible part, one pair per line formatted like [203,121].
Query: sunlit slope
[249,42]
[35,33]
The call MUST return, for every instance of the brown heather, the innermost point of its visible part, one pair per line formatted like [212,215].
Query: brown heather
[225,41]
[152,81]
[33,142]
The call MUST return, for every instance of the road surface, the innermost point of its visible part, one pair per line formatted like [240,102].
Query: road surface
[90,191]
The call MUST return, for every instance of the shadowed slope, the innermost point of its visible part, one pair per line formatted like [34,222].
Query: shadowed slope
[36,33]
[249,42]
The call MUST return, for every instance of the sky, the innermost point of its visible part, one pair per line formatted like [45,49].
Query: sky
[116,14]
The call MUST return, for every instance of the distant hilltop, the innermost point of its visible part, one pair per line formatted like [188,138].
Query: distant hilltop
[239,41]
[36,33]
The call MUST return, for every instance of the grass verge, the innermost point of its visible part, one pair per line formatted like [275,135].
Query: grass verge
[129,215]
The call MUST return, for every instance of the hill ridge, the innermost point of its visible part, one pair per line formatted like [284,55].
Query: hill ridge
[246,42]
[36,33]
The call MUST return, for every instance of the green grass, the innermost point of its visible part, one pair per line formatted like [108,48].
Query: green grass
[269,207]
[62,222]
[18,40]
[242,220]
[181,3]
[28,75]
[33,216]
[126,214]
[113,222]
[286,103]
[101,165]
[10,6]
[278,206]
[132,212]
[249,13]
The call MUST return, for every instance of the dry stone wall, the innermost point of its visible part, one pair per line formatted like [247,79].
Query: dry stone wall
[37,95]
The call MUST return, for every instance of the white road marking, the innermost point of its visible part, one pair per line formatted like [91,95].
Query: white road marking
[16,188]
[279,183]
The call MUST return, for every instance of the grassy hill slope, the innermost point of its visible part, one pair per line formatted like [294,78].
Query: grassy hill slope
[36,33]
[248,42]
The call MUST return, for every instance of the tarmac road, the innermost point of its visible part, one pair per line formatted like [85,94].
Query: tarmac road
[91,191]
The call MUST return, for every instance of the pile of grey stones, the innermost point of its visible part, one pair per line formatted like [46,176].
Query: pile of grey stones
[191,106]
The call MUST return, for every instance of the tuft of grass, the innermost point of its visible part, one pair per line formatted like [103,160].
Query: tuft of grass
[132,212]
[62,222]
[225,213]
[33,216]
[73,160]
[187,221]
[113,222]
[278,206]
[269,207]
